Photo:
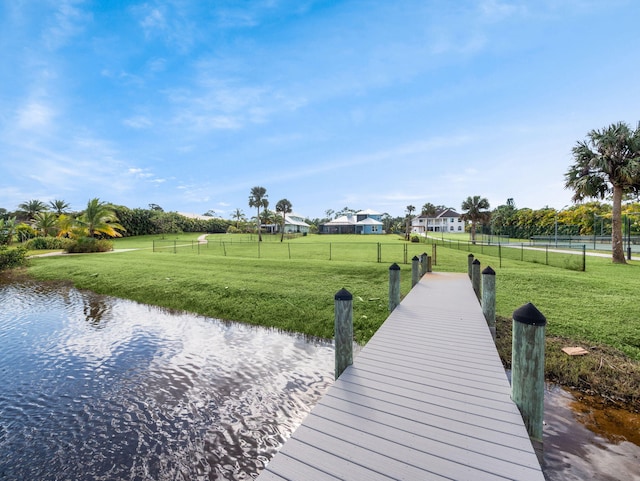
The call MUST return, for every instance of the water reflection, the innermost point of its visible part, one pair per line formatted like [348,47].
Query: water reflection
[100,388]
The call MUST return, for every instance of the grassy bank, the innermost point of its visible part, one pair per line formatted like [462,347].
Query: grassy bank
[596,309]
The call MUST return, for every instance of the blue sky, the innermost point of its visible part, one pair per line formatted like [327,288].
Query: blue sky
[366,104]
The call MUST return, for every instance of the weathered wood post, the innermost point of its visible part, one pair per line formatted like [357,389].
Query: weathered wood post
[429,261]
[415,271]
[394,286]
[423,263]
[489,299]
[469,264]
[343,330]
[527,368]
[434,253]
[475,277]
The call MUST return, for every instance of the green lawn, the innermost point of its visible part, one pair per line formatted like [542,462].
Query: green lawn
[596,306]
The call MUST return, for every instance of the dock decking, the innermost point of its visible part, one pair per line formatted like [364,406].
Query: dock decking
[427,398]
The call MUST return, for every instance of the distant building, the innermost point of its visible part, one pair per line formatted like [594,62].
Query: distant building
[363,222]
[447,220]
[295,224]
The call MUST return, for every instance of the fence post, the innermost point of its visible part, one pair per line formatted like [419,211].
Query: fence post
[423,264]
[527,368]
[475,277]
[489,299]
[469,264]
[429,260]
[343,330]
[415,271]
[434,253]
[394,286]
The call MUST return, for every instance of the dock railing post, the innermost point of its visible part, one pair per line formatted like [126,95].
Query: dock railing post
[394,286]
[423,264]
[343,331]
[469,264]
[429,262]
[489,299]
[527,369]
[475,277]
[415,271]
[434,253]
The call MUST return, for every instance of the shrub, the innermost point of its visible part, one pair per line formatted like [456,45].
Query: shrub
[25,232]
[89,244]
[415,238]
[41,243]
[232,229]
[10,258]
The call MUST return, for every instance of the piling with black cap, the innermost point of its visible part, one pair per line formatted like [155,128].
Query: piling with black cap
[475,277]
[423,263]
[469,264]
[394,286]
[415,271]
[527,367]
[489,298]
[343,330]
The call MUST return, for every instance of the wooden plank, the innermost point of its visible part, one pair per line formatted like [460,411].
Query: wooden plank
[426,398]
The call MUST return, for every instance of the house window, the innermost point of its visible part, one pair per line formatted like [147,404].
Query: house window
[459,227]
[452,219]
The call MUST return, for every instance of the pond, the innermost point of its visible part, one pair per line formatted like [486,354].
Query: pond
[98,388]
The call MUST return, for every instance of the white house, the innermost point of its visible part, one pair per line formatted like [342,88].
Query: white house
[363,222]
[447,220]
[294,223]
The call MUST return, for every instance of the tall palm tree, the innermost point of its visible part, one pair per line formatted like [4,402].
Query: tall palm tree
[607,162]
[410,209]
[59,206]
[284,207]
[99,218]
[31,207]
[258,199]
[476,211]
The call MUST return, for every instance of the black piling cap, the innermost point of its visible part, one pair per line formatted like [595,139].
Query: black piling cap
[476,262]
[425,254]
[343,295]
[470,255]
[415,258]
[394,267]
[529,314]
[489,271]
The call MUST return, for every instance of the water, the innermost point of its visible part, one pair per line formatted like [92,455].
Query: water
[98,388]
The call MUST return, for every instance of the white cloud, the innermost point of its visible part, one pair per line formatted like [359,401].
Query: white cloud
[138,122]
[35,115]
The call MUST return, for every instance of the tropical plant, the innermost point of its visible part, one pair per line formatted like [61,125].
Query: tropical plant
[429,209]
[607,163]
[7,230]
[410,209]
[59,206]
[31,207]
[284,207]
[258,199]
[475,211]
[99,218]
[46,223]
[238,215]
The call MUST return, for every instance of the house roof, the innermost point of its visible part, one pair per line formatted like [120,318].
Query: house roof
[291,219]
[369,221]
[368,212]
[440,214]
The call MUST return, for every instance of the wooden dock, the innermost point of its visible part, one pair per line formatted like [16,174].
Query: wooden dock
[426,398]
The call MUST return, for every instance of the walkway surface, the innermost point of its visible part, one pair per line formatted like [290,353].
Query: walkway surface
[426,398]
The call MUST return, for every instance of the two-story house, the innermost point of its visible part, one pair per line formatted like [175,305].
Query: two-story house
[363,222]
[447,220]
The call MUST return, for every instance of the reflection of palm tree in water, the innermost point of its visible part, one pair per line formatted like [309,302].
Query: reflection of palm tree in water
[94,308]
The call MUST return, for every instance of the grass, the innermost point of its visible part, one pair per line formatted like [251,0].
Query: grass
[596,309]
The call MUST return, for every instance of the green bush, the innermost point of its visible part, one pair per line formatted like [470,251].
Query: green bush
[415,238]
[25,232]
[47,243]
[89,244]
[232,229]
[10,258]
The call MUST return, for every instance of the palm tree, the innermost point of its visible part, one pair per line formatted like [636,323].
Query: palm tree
[607,162]
[45,223]
[476,211]
[99,218]
[257,199]
[410,209]
[238,215]
[59,206]
[284,207]
[67,226]
[31,207]
[429,209]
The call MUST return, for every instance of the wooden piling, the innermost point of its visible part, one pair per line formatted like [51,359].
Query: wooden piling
[343,331]
[469,264]
[423,263]
[429,262]
[434,254]
[394,286]
[475,277]
[415,271]
[527,368]
[489,299]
